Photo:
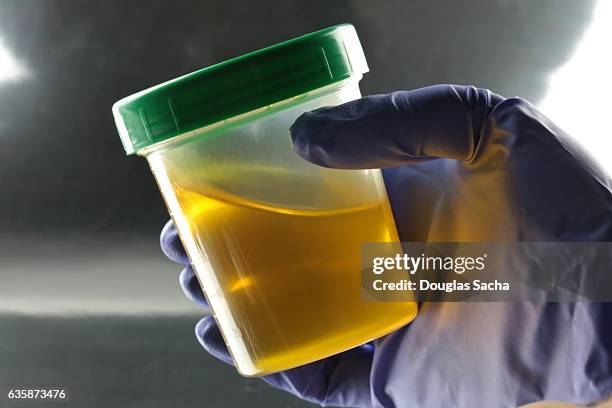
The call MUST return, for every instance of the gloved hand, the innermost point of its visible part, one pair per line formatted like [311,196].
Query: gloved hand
[460,165]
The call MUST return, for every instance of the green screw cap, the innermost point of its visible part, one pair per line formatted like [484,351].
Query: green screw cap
[238,86]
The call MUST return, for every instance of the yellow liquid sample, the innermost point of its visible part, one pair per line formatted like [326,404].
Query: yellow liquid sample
[284,283]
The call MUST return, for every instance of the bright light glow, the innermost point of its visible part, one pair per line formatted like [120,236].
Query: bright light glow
[242,283]
[121,276]
[10,69]
[579,97]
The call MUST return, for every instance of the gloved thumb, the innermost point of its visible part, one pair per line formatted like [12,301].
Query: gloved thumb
[379,131]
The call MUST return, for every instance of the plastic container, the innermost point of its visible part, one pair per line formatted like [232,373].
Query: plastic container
[275,240]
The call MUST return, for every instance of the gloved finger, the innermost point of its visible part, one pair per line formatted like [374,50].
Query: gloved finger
[210,338]
[379,131]
[191,286]
[171,244]
[341,380]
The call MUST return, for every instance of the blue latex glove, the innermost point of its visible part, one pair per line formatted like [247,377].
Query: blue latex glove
[460,164]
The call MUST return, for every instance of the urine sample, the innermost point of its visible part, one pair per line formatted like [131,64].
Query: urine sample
[275,241]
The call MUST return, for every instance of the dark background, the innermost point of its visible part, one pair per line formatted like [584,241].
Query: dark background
[87,301]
